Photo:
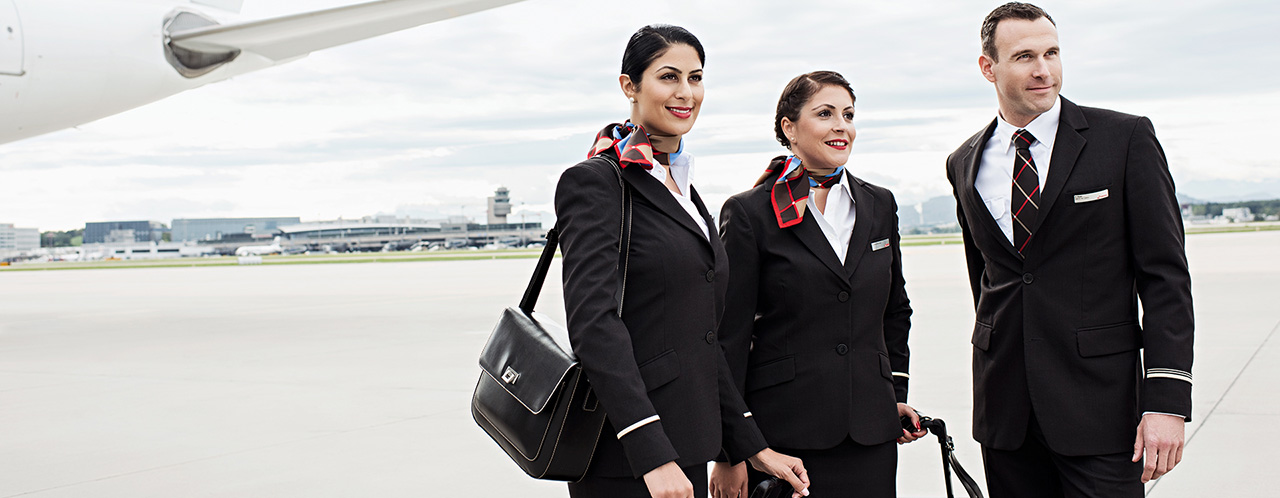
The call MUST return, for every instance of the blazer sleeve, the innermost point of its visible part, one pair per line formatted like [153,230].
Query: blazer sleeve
[1163,280]
[738,320]
[589,215]
[973,257]
[742,438]
[897,316]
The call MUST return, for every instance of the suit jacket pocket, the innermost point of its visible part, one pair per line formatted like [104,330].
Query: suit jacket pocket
[660,370]
[885,370]
[981,335]
[771,374]
[1108,339]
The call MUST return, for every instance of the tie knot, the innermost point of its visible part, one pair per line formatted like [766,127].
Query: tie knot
[1022,139]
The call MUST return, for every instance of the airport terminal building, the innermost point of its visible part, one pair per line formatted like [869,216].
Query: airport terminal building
[15,240]
[390,233]
[100,232]
[208,229]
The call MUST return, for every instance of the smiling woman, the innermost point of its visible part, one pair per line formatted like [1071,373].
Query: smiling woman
[817,312]
[653,359]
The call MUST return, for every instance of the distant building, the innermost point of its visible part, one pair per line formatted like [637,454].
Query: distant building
[101,232]
[499,206]
[377,232]
[15,240]
[197,229]
[140,250]
[1238,214]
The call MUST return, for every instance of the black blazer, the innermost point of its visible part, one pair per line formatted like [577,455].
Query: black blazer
[1058,332]
[815,344]
[662,357]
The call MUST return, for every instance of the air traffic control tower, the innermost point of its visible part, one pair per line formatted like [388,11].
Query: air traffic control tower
[499,206]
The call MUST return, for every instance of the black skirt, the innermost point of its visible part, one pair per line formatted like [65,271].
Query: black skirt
[849,469]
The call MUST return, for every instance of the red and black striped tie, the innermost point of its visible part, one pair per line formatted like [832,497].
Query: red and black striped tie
[1026,189]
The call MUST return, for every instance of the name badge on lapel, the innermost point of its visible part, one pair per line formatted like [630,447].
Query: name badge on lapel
[879,244]
[1095,196]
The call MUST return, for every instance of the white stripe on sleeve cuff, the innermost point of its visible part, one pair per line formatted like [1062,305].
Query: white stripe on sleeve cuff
[637,425]
[1169,373]
[901,374]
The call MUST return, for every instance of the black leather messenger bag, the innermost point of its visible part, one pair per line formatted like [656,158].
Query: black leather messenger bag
[533,398]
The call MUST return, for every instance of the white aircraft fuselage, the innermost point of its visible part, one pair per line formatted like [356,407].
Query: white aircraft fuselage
[68,62]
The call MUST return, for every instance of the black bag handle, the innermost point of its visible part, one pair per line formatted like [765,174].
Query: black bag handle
[949,461]
[553,238]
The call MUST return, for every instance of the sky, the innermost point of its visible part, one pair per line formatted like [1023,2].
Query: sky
[429,121]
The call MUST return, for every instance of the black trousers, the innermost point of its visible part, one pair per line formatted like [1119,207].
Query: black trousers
[1035,470]
[849,469]
[626,487]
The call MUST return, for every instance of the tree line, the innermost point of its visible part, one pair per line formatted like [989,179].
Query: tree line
[1259,208]
[67,238]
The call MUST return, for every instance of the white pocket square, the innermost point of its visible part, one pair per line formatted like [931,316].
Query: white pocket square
[1093,196]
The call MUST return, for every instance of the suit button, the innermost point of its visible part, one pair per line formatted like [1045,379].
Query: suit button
[711,275]
[842,296]
[1027,278]
[842,349]
[711,337]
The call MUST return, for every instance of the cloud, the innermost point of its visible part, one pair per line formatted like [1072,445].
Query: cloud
[442,114]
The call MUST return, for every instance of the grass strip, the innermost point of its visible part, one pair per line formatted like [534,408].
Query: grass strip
[324,259]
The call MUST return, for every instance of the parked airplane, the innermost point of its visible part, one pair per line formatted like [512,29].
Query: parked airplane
[273,248]
[68,62]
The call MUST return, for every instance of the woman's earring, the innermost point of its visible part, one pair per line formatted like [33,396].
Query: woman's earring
[633,100]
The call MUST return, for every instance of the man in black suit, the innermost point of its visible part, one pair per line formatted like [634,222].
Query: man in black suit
[1069,219]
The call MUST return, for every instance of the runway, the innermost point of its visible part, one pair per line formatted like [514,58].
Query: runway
[354,380]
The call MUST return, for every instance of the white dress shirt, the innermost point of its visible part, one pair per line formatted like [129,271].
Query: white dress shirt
[995,172]
[682,172]
[838,215]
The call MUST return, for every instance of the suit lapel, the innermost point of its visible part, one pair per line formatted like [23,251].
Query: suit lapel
[811,235]
[986,223]
[717,249]
[1066,149]
[650,188]
[864,207]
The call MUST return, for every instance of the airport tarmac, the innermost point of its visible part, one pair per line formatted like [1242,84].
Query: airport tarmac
[354,380]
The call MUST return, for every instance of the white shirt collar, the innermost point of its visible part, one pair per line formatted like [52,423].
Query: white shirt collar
[681,172]
[839,217]
[844,184]
[1044,127]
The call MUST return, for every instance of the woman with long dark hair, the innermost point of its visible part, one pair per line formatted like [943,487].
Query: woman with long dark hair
[656,366]
[815,329]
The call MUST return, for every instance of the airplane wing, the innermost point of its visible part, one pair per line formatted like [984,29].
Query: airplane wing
[293,36]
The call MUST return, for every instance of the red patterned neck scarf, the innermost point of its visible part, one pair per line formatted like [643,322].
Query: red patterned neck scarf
[637,150]
[791,191]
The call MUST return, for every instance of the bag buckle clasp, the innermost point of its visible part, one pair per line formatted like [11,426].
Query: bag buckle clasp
[510,375]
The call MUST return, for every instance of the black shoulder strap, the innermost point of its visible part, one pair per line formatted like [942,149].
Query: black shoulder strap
[553,237]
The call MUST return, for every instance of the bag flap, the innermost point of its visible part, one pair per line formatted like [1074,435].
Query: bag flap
[523,357]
